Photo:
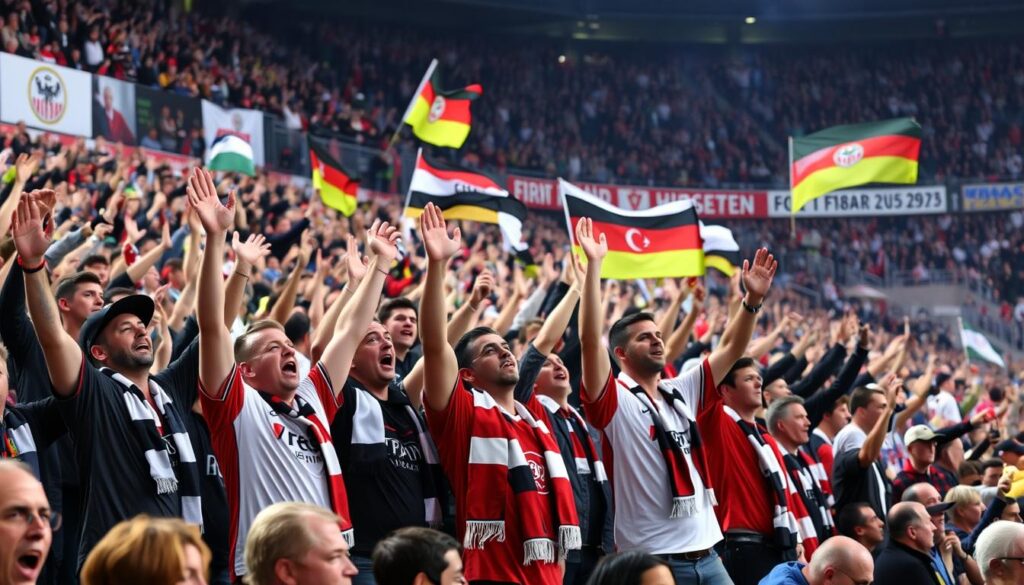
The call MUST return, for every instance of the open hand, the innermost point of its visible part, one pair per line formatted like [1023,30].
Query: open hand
[252,249]
[434,231]
[594,247]
[202,194]
[757,276]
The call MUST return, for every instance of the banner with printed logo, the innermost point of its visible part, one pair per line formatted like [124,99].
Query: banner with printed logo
[246,124]
[865,203]
[45,96]
[709,203]
[992,197]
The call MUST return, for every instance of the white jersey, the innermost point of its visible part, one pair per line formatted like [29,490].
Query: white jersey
[266,458]
[643,494]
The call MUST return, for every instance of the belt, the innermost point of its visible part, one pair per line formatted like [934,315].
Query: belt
[747,538]
[694,555]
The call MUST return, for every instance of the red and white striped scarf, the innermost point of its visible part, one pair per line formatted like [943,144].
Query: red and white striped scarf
[585,456]
[304,413]
[496,464]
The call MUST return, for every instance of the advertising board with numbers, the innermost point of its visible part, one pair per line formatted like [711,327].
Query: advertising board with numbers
[865,203]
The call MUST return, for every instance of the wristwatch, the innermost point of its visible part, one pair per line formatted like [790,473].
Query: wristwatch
[752,310]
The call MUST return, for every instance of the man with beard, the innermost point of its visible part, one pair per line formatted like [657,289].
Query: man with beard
[133,452]
[269,428]
[514,505]
[948,556]
[664,497]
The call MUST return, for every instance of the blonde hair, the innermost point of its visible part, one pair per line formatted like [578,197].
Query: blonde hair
[245,345]
[961,495]
[144,550]
[280,531]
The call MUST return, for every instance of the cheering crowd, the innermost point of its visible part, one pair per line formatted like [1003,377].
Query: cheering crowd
[211,378]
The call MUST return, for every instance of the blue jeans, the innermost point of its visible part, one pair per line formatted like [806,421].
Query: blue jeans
[706,571]
[365,566]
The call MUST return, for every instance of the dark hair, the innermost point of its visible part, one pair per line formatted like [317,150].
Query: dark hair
[743,362]
[900,518]
[173,264]
[861,397]
[463,355]
[618,335]
[992,462]
[297,326]
[392,305]
[69,286]
[110,293]
[844,399]
[410,551]
[850,517]
[625,568]
[969,468]
[524,331]
[94,259]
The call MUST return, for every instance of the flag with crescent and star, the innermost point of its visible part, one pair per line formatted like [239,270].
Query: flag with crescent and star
[662,241]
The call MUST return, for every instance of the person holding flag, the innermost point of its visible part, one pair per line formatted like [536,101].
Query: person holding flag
[437,116]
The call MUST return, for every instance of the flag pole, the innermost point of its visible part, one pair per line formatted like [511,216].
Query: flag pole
[568,220]
[792,211]
[960,322]
[412,103]
[408,193]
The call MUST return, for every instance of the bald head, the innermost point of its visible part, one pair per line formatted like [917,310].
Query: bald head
[922,493]
[840,554]
[910,524]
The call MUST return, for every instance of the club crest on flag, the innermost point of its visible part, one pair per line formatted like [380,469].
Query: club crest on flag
[436,109]
[848,155]
[46,95]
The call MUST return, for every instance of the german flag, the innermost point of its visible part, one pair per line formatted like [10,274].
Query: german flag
[856,154]
[468,195]
[441,117]
[663,241]
[338,187]
[721,251]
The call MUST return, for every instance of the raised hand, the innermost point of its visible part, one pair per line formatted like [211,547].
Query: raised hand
[757,276]
[252,249]
[132,230]
[165,235]
[25,166]
[102,230]
[354,263]
[594,247]
[482,288]
[29,238]
[864,340]
[202,194]
[434,231]
[383,242]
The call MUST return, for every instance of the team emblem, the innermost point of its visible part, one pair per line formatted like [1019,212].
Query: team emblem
[47,95]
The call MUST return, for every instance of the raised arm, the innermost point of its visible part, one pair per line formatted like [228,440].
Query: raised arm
[918,393]
[355,266]
[282,308]
[149,259]
[597,366]
[215,348]
[463,318]
[677,340]
[757,279]
[63,357]
[358,313]
[440,368]
[872,447]
[24,167]
[557,321]
[247,254]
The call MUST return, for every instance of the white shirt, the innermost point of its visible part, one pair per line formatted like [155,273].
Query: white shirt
[643,495]
[944,405]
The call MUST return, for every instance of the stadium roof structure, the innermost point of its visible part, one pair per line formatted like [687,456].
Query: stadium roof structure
[698,21]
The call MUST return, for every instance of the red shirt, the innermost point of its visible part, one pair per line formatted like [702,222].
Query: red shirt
[451,429]
[745,499]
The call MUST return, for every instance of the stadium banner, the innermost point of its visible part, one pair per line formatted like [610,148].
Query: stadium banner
[865,203]
[45,96]
[246,124]
[113,110]
[992,197]
[710,203]
[165,120]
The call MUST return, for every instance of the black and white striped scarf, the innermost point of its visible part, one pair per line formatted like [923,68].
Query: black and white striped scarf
[18,442]
[368,446]
[160,469]
[784,520]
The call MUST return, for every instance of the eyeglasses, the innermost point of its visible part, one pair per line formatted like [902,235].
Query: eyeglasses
[852,580]
[27,517]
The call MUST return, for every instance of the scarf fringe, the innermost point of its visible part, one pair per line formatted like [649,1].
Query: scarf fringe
[683,507]
[711,496]
[349,536]
[540,549]
[166,485]
[569,538]
[479,532]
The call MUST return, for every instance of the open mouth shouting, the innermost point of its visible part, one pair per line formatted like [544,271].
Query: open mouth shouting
[387,361]
[290,367]
[29,564]
[143,344]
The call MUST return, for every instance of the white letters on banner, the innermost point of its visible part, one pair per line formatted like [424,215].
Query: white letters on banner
[246,124]
[865,203]
[45,96]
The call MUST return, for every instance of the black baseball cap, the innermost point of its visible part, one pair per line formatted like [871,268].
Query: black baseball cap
[939,508]
[139,305]
[1011,446]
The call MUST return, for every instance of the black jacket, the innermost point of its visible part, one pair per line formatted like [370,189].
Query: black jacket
[899,564]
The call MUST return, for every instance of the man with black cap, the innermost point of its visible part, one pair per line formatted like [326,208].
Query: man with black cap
[948,557]
[1010,451]
[133,452]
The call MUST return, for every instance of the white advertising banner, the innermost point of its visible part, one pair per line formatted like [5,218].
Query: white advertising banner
[246,124]
[45,96]
[865,203]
